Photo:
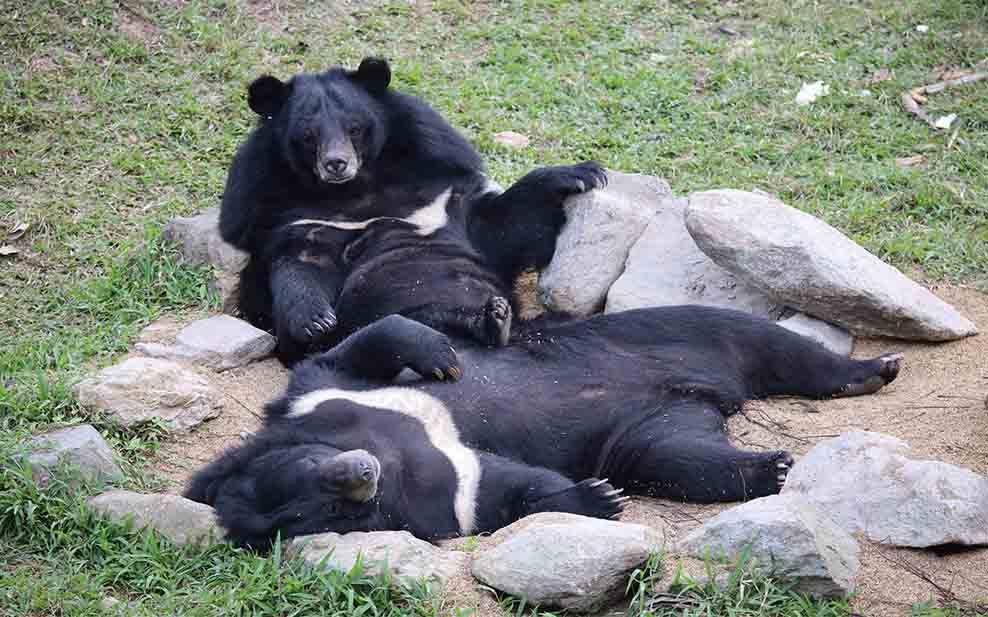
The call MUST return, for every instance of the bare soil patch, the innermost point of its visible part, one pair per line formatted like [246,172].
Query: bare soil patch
[937,405]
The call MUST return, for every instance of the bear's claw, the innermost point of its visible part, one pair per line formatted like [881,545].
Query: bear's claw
[497,321]
[888,367]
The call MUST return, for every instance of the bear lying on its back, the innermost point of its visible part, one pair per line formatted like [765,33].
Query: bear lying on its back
[356,202]
[639,397]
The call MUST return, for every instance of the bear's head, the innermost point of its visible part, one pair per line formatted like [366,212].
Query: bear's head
[346,484]
[329,125]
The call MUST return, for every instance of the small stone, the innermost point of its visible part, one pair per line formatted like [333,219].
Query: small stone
[139,390]
[221,343]
[181,520]
[200,242]
[808,265]
[80,447]
[666,268]
[567,561]
[601,227]
[785,537]
[867,483]
[401,553]
[834,338]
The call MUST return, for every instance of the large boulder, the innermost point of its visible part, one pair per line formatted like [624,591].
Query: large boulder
[564,560]
[179,519]
[199,241]
[400,553]
[808,265]
[665,267]
[81,448]
[221,342]
[834,338]
[139,390]
[868,484]
[786,537]
[601,226]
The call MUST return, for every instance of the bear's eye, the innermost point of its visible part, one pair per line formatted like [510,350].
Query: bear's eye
[354,130]
[308,136]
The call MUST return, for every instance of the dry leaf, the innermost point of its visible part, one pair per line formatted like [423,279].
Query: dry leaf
[19,230]
[6,250]
[879,76]
[512,139]
[949,74]
[811,92]
[911,161]
[944,122]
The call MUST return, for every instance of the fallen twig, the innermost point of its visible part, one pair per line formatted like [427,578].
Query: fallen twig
[947,597]
[911,99]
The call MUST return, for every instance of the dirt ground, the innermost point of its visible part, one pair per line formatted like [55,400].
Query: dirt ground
[937,405]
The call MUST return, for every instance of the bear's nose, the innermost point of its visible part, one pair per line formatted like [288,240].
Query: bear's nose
[336,166]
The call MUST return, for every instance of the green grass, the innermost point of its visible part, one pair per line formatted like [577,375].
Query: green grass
[105,136]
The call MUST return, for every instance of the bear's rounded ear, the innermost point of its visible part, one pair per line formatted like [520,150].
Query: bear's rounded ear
[373,74]
[266,95]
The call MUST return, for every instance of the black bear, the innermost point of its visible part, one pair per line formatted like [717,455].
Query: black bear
[638,397]
[355,202]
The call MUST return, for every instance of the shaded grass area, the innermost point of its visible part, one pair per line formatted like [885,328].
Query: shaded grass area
[116,116]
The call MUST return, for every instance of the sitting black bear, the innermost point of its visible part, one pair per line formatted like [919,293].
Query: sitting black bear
[639,397]
[355,202]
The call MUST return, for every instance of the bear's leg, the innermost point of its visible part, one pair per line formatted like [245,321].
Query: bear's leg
[510,490]
[302,306]
[783,362]
[682,452]
[385,347]
[488,325]
[516,230]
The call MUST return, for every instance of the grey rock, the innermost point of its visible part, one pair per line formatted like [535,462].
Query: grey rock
[139,390]
[834,338]
[221,343]
[665,267]
[181,520]
[398,552]
[810,266]
[868,484]
[593,245]
[787,537]
[200,242]
[79,447]
[564,560]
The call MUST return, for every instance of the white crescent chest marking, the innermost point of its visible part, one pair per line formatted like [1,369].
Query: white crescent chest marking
[427,220]
[439,427]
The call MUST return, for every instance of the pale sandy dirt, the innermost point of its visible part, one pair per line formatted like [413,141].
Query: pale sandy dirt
[937,405]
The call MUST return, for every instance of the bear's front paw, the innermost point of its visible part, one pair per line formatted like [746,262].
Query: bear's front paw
[599,499]
[580,178]
[433,357]
[307,326]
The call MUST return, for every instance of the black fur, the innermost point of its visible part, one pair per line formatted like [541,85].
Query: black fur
[638,397]
[343,147]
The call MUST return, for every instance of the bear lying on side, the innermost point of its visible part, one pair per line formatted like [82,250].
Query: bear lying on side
[355,202]
[639,397]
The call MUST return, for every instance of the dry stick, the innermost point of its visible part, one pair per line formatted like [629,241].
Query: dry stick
[946,595]
[768,428]
[911,105]
[242,404]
